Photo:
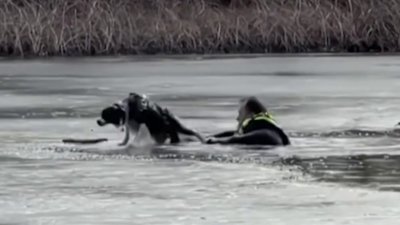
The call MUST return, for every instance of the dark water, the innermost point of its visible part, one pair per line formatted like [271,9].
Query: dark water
[340,112]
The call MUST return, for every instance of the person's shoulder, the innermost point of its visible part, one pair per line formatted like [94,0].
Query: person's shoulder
[250,125]
[258,124]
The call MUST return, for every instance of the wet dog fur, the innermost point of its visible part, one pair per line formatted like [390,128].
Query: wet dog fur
[137,110]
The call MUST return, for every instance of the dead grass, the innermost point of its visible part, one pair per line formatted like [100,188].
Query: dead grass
[103,27]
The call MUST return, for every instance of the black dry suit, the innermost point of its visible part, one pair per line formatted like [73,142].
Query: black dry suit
[263,122]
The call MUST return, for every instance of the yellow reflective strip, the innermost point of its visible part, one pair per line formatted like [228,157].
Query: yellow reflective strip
[261,116]
[245,122]
[266,119]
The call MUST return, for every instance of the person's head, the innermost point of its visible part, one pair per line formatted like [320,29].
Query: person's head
[248,107]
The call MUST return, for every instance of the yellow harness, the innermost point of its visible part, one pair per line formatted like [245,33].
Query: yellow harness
[260,116]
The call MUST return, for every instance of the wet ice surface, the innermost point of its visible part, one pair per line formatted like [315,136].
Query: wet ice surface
[343,166]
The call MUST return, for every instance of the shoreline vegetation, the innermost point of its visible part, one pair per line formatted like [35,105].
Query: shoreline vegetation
[134,27]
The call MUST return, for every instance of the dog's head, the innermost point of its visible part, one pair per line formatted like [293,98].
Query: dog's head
[138,106]
[112,115]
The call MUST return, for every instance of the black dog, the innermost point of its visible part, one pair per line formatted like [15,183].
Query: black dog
[136,110]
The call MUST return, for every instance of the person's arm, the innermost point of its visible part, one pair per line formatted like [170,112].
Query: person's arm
[254,137]
[228,133]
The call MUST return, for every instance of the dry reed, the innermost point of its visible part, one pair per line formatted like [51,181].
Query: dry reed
[103,27]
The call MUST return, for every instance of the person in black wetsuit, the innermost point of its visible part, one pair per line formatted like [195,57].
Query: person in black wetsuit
[255,127]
